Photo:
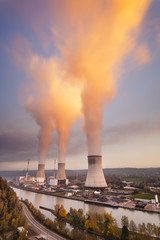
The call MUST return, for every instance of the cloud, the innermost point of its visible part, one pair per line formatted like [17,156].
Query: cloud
[116,135]
[18,146]
[158,39]
[123,133]
[142,55]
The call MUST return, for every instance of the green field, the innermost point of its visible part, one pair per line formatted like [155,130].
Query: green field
[135,180]
[145,196]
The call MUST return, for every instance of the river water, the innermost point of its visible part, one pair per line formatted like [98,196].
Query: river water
[39,199]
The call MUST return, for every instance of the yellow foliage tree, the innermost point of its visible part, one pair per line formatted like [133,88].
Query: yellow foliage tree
[62,212]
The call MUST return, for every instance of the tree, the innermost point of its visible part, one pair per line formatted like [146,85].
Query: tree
[77,217]
[143,227]
[90,223]
[132,226]
[3,226]
[156,230]
[8,217]
[77,234]
[57,207]
[124,221]
[62,212]
[150,228]
[125,233]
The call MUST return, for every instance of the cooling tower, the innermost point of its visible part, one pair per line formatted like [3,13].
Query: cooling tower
[61,171]
[41,172]
[95,177]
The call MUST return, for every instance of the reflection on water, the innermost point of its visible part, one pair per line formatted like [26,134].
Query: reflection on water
[50,201]
[94,208]
[59,201]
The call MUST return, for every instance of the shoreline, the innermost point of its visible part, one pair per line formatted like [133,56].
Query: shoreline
[82,199]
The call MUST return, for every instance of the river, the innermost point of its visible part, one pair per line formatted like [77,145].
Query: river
[39,199]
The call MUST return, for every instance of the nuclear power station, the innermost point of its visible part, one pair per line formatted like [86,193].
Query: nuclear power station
[95,177]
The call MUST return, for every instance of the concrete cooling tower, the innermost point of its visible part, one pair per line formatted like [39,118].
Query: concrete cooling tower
[41,172]
[61,171]
[95,177]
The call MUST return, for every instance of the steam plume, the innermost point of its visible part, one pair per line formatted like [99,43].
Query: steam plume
[93,38]
[52,104]
[97,37]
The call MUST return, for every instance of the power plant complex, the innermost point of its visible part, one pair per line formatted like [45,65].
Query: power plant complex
[95,176]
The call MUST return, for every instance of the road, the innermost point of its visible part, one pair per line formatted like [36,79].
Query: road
[38,227]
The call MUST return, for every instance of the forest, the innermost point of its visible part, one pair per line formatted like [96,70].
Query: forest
[10,213]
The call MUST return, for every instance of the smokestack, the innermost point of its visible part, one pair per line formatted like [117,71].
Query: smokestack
[95,177]
[61,171]
[41,172]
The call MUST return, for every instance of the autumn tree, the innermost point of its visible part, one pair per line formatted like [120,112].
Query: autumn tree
[124,221]
[132,226]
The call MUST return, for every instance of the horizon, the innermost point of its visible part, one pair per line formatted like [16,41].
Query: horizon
[84,169]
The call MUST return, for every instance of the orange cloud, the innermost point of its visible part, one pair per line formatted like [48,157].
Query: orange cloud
[54,103]
[93,38]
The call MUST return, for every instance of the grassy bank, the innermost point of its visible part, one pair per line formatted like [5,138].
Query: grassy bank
[145,196]
[135,180]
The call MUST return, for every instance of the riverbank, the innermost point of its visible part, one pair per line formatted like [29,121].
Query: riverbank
[76,220]
[38,226]
[59,227]
[60,194]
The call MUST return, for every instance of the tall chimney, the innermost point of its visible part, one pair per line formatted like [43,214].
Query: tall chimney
[61,171]
[41,172]
[95,176]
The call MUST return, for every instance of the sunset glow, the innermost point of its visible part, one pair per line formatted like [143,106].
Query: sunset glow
[82,73]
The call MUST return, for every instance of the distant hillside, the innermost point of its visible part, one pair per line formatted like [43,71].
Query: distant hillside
[125,172]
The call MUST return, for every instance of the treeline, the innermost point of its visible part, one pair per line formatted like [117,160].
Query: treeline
[105,225]
[95,224]
[10,212]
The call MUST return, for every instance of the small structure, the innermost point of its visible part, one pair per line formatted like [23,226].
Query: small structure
[96,192]
[22,179]
[40,179]
[52,181]
[30,179]
[156,200]
[21,229]
[63,181]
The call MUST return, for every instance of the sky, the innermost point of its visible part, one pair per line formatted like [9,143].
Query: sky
[79,78]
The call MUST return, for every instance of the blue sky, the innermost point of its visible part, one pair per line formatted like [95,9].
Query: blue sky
[130,135]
